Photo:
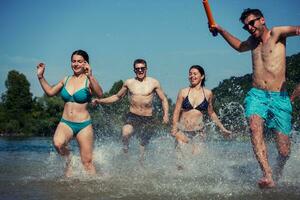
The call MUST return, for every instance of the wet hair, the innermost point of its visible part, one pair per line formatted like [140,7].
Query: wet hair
[81,53]
[138,61]
[249,11]
[201,70]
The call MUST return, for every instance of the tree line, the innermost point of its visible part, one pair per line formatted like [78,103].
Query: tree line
[21,114]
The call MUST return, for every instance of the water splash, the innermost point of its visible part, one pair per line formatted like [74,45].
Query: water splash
[233,117]
[222,170]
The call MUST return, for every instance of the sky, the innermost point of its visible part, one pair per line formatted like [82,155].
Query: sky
[171,35]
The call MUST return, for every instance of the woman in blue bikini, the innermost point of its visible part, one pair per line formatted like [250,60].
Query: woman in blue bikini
[188,113]
[76,91]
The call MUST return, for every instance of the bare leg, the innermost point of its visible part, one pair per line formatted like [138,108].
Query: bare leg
[142,154]
[85,139]
[127,131]
[198,148]
[284,147]
[68,169]
[61,138]
[195,149]
[260,151]
[179,154]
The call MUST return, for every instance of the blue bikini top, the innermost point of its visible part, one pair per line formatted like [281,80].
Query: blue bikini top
[82,95]
[186,105]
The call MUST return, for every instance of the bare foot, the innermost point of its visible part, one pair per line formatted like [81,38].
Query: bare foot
[141,161]
[266,183]
[125,150]
[277,174]
[90,169]
[68,171]
[197,149]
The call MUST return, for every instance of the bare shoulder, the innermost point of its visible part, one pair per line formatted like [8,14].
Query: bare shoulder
[184,91]
[275,30]
[208,93]
[129,82]
[281,32]
[252,42]
[153,81]
[63,81]
[278,29]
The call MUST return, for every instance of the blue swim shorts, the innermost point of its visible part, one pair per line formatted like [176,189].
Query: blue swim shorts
[274,107]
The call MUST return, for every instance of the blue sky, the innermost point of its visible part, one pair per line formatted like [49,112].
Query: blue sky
[170,34]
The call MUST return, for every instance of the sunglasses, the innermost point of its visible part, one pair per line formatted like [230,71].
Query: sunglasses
[251,23]
[139,69]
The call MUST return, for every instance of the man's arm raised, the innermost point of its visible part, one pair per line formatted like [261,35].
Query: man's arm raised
[282,32]
[233,41]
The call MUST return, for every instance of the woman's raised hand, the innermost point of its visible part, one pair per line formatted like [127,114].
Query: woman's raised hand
[40,70]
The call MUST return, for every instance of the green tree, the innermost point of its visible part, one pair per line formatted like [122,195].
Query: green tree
[2,118]
[293,78]
[17,103]
[46,114]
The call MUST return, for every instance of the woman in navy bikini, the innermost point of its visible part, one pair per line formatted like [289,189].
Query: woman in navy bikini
[190,105]
[76,91]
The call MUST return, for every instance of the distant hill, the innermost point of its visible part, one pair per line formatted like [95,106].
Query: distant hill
[230,93]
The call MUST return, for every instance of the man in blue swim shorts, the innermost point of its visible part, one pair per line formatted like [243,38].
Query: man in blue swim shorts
[268,101]
[274,107]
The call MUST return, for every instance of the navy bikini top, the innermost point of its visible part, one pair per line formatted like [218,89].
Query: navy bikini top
[82,95]
[186,105]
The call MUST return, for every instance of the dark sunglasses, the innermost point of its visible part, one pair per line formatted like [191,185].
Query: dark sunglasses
[139,69]
[251,23]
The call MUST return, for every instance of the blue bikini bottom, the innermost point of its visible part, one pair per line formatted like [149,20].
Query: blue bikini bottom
[76,126]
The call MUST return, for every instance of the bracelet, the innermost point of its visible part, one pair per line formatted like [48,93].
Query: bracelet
[40,77]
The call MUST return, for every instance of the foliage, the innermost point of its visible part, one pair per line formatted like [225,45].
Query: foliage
[17,104]
[46,113]
[20,114]
[293,78]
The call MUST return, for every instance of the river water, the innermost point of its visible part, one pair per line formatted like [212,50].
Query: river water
[31,169]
